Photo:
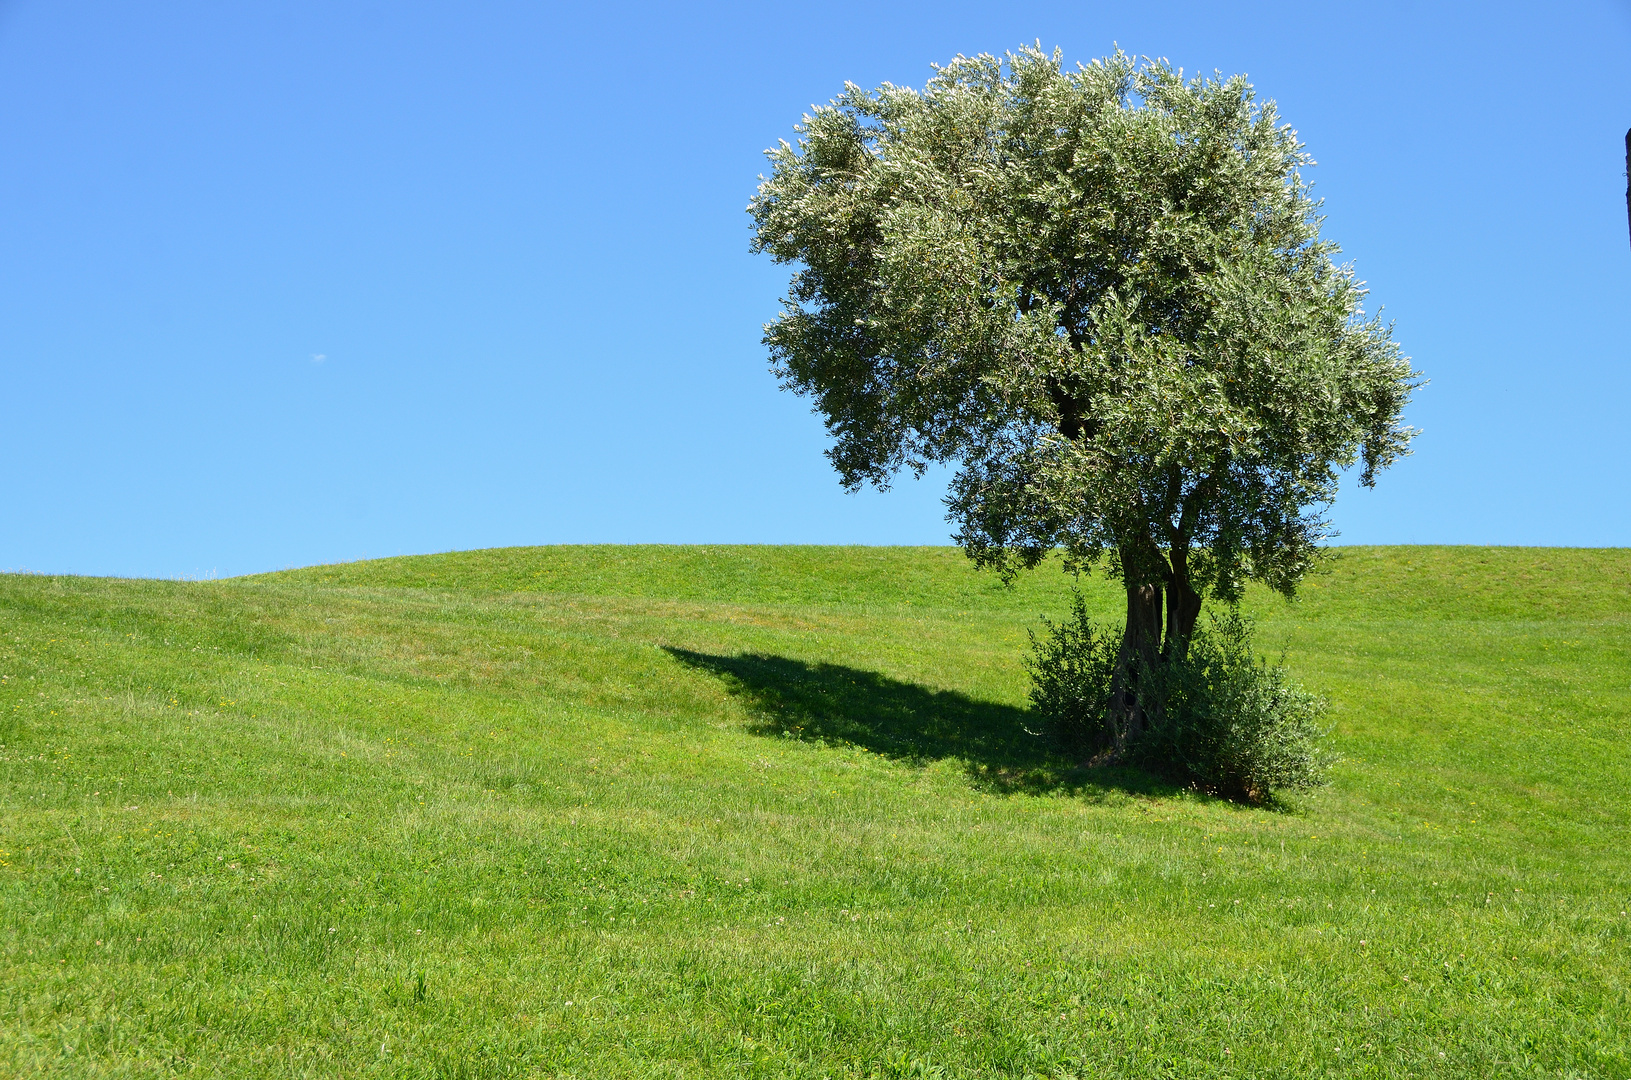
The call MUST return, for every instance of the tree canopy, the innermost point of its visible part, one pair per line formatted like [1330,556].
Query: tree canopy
[1102,295]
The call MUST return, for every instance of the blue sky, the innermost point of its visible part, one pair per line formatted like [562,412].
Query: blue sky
[303,282]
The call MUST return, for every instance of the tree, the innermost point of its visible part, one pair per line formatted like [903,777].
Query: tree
[1102,295]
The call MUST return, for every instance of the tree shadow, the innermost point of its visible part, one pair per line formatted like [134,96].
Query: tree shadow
[846,706]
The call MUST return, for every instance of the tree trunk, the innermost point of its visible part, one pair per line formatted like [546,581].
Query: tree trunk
[1140,647]
[1145,643]
[1183,608]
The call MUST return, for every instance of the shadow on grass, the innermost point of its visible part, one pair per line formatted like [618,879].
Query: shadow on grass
[848,706]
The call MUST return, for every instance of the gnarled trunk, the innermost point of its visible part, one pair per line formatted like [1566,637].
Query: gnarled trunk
[1140,648]
[1160,623]
[1183,608]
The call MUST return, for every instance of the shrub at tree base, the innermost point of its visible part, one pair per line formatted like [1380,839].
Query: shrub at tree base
[1218,718]
[1072,666]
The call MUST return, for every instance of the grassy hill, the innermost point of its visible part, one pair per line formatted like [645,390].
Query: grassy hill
[756,811]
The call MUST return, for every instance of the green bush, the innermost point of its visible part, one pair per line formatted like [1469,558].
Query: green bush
[1072,664]
[1229,722]
[1220,719]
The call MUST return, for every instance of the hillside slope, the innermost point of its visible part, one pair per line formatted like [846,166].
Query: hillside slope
[762,811]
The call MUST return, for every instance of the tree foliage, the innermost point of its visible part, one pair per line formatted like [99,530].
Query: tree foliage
[1102,295]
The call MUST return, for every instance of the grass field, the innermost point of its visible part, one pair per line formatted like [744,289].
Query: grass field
[764,812]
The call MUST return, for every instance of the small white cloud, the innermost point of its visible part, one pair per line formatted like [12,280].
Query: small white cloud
[318,358]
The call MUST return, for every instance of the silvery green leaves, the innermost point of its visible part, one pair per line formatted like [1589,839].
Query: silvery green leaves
[1100,293]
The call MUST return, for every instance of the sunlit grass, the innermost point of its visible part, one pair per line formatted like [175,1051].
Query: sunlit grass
[773,812]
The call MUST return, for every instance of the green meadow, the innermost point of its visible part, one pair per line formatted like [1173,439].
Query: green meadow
[775,812]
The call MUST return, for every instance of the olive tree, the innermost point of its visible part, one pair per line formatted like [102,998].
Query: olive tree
[1102,295]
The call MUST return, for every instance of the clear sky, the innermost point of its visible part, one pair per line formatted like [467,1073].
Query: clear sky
[310,281]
